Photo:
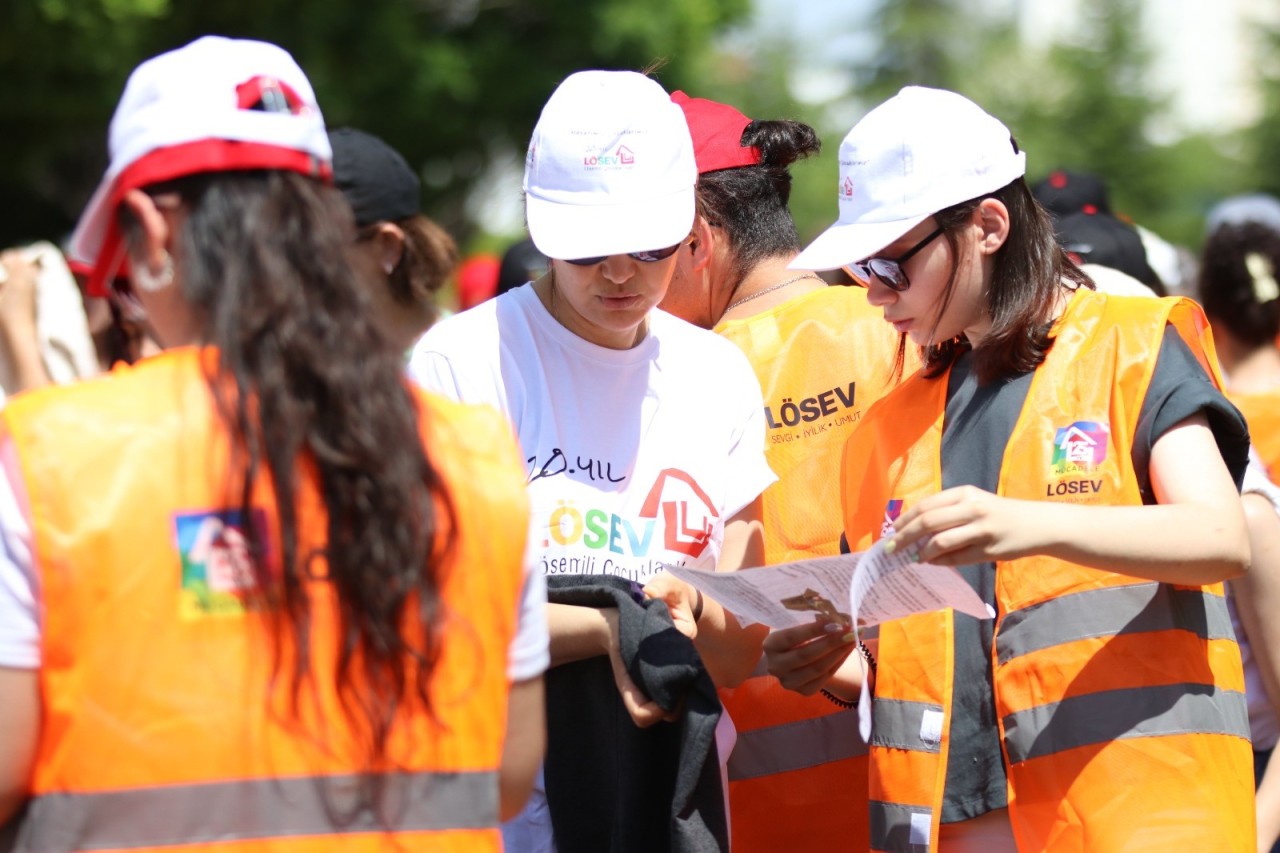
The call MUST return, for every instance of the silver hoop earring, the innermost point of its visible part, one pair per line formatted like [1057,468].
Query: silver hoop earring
[151,282]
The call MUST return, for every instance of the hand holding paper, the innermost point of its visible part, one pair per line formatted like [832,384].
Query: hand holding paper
[854,589]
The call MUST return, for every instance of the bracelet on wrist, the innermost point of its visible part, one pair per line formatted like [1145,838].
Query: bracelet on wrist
[836,700]
[867,656]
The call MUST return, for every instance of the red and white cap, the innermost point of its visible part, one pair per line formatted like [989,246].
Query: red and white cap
[215,105]
[919,152]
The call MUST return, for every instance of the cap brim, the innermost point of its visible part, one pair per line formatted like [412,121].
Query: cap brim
[569,231]
[841,245]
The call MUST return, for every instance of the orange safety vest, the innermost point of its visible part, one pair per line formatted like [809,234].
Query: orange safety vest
[162,724]
[1121,701]
[1262,412]
[798,774]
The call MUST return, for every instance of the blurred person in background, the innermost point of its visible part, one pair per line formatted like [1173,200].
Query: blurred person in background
[1239,275]
[521,264]
[1064,192]
[413,255]
[1241,297]
[255,592]
[644,438]
[44,333]
[1099,243]
[477,279]
[823,355]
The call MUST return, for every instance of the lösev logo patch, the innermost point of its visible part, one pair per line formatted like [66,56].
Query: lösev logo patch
[217,571]
[1080,447]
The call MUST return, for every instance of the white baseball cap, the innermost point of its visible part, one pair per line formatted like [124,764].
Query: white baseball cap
[216,104]
[919,152]
[610,168]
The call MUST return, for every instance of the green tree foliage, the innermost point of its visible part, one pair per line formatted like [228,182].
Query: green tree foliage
[1263,139]
[1086,102]
[450,83]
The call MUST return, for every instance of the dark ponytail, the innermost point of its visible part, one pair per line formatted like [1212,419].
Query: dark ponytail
[749,203]
[1239,267]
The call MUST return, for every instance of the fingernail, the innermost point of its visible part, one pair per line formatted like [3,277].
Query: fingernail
[833,627]
[849,637]
[890,546]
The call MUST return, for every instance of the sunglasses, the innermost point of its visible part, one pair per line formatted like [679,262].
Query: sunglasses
[889,271]
[644,257]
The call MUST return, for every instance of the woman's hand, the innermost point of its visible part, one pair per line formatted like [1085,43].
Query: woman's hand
[805,657]
[643,710]
[965,525]
[18,292]
[684,602]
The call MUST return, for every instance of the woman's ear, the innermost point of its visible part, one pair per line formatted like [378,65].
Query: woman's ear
[153,245]
[993,219]
[701,244]
[389,238]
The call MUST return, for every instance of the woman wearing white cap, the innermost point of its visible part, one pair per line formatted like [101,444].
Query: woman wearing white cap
[238,599]
[644,436]
[1066,451]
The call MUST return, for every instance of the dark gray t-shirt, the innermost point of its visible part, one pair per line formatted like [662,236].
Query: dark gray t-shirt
[979,421]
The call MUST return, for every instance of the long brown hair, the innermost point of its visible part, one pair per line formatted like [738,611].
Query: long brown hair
[1028,271]
[307,385]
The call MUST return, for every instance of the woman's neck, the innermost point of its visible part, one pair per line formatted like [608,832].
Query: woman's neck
[767,285]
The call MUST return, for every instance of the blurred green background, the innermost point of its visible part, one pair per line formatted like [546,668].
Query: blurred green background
[456,85]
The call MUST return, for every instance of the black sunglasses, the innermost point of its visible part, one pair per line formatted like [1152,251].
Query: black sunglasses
[644,257]
[889,270]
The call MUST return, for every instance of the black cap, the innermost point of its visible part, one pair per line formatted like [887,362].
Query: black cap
[374,178]
[1064,192]
[1100,238]
[522,262]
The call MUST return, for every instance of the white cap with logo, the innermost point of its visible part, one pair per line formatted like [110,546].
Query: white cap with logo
[610,168]
[919,152]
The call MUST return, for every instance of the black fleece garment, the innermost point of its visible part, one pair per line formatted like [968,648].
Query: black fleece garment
[613,787]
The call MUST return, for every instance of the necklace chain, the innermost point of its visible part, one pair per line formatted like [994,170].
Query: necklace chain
[770,289]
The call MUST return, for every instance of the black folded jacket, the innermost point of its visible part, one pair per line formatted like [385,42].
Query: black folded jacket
[613,787]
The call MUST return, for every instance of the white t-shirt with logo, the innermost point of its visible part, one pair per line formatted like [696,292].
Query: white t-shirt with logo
[635,457]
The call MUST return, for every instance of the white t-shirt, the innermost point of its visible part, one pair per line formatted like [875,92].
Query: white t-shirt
[636,457]
[528,656]
[1264,726]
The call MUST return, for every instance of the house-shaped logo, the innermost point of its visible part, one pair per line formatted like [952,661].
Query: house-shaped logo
[1080,447]
[846,188]
[625,157]
[689,515]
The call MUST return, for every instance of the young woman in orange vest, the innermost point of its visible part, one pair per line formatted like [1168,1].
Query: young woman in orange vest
[277,590]
[1072,454]
[1237,286]
[797,774]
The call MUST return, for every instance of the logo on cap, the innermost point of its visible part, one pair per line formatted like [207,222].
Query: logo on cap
[846,188]
[623,156]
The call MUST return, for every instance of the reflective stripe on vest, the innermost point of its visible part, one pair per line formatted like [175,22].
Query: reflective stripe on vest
[1105,612]
[796,746]
[900,828]
[900,724]
[1159,710]
[256,808]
